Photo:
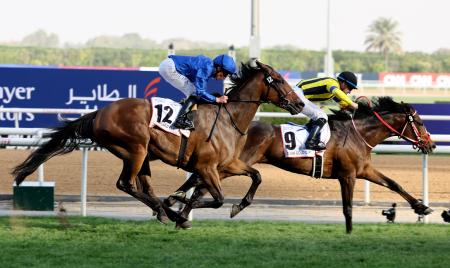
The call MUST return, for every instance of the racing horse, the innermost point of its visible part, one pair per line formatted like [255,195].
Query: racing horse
[212,149]
[348,152]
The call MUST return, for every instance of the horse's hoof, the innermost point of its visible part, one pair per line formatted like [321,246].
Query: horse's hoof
[427,211]
[170,201]
[234,210]
[186,225]
[162,218]
[421,209]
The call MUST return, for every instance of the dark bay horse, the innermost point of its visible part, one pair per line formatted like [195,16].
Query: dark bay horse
[348,152]
[212,150]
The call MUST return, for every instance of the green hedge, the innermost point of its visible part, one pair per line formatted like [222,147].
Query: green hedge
[286,59]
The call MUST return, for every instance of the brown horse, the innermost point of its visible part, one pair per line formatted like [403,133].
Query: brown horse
[212,150]
[348,152]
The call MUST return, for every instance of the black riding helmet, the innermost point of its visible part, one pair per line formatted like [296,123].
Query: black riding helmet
[348,78]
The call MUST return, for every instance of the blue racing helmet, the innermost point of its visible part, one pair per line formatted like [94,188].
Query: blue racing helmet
[226,63]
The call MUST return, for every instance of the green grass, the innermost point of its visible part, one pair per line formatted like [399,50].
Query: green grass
[100,242]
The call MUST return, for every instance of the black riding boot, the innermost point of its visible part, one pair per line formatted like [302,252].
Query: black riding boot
[185,117]
[313,140]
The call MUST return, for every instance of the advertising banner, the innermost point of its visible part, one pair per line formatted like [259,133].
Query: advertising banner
[415,79]
[76,89]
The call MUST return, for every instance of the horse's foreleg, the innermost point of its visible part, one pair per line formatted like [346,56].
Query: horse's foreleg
[180,194]
[184,215]
[211,179]
[377,177]
[347,188]
[240,168]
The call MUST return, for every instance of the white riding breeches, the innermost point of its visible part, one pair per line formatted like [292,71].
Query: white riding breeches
[311,110]
[168,71]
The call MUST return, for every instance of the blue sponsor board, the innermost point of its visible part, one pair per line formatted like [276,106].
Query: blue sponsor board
[76,89]
[435,127]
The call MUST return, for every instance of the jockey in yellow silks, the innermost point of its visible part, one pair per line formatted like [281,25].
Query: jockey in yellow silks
[321,89]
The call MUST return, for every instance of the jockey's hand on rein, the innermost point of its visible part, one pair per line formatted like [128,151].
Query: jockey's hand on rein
[222,99]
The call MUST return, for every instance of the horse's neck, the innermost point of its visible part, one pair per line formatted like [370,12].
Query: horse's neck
[374,131]
[244,103]
[243,113]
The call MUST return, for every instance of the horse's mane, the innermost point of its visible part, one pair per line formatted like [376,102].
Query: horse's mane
[380,105]
[245,72]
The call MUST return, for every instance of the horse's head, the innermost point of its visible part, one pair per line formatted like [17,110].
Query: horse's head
[404,121]
[278,91]
[414,130]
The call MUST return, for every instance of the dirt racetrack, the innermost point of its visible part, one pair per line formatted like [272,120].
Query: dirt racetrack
[104,169]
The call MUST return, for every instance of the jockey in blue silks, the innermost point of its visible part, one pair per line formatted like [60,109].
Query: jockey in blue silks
[190,75]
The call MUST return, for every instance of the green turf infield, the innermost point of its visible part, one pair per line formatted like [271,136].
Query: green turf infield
[101,242]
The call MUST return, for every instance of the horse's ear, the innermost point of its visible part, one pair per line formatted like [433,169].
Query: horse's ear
[259,64]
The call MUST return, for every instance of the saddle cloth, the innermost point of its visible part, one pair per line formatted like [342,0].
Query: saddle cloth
[294,137]
[165,111]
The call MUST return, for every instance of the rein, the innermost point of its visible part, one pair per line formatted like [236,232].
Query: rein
[232,122]
[418,142]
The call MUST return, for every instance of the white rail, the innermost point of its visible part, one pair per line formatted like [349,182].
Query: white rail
[382,148]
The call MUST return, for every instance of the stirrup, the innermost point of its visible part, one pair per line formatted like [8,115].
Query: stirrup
[183,123]
[319,146]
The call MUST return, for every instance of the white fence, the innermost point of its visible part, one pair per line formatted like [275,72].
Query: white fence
[38,132]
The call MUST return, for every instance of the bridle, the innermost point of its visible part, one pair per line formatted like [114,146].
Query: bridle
[417,142]
[271,82]
[274,83]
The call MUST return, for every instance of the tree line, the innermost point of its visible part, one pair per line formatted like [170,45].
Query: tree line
[280,58]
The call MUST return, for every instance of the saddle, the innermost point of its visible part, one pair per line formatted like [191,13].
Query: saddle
[294,137]
[165,112]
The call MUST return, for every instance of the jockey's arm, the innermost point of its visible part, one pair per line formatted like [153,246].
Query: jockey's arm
[344,101]
[201,81]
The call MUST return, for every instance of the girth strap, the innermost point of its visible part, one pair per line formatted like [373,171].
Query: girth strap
[182,150]
[317,168]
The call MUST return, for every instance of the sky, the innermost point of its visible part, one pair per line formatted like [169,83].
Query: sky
[302,23]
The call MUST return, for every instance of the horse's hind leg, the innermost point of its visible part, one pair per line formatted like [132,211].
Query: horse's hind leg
[347,188]
[132,164]
[144,177]
[377,177]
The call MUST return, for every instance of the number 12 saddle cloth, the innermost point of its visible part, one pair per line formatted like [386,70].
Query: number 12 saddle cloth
[164,113]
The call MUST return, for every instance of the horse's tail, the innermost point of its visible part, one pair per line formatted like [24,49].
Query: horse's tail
[62,140]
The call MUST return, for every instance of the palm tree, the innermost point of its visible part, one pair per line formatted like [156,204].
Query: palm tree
[384,37]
